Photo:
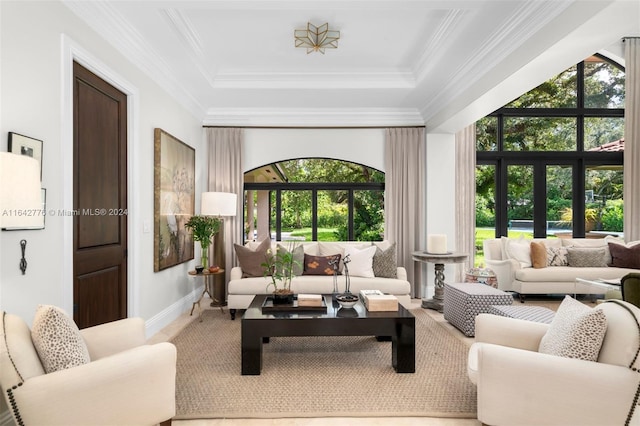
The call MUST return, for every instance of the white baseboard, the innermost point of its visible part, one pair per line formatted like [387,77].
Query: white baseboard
[171,313]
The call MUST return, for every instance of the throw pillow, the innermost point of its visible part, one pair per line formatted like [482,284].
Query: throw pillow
[319,265]
[538,255]
[518,249]
[577,331]
[298,257]
[385,262]
[330,249]
[57,340]
[557,256]
[361,261]
[586,257]
[625,257]
[251,260]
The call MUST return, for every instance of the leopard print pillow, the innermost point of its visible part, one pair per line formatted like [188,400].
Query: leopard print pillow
[57,340]
[577,331]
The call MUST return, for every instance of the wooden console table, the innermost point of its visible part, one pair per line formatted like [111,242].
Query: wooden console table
[439,260]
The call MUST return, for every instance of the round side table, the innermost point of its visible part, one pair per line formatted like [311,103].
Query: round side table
[439,260]
[206,274]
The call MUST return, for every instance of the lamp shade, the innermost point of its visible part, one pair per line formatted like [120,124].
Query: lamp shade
[20,198]
[218,204]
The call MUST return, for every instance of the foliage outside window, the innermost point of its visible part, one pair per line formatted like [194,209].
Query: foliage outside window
[553,153]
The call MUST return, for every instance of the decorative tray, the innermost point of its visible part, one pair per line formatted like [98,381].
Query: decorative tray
[268,306]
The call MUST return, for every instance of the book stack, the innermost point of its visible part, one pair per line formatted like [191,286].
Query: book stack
[309,300]
[375,301]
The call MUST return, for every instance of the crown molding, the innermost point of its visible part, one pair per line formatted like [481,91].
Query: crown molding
[311,117]
[117,31]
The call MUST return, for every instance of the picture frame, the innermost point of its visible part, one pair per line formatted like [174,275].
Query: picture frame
[174,200]
[41,215]
[25,145]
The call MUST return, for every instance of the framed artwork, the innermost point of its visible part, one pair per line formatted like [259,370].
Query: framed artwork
[39,216]
[24,145]
[174,200]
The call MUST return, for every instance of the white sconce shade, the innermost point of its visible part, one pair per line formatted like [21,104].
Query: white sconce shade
[20,191]
[218,204]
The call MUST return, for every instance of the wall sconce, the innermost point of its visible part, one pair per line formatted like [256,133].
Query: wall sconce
[20,195]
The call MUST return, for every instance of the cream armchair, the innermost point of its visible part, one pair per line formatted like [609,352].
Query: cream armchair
[519,386]
[126,382]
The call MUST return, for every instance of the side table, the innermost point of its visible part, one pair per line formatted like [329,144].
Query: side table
[437,303]
[207,290]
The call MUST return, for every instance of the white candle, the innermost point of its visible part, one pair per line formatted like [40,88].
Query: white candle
[437,243]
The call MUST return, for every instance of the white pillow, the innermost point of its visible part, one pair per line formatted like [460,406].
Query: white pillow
[361,264]
[518,249]
[57,340]
[577,331]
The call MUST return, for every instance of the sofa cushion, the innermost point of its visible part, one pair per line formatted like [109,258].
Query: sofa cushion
[577,331]
[623,256]
[568,274]
[57,340]
[518,249]
[385,262]
[361,261]
[588,243]
[320,265]
[251,260]
[538,254]
[17,351]
[622,341]
[586,257]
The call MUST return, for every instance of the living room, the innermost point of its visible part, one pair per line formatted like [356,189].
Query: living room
[40,41]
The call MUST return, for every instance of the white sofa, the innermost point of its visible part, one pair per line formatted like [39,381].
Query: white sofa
[517,385]
[507,257]
[241,291]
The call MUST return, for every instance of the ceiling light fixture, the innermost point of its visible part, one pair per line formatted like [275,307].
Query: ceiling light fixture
[316,39]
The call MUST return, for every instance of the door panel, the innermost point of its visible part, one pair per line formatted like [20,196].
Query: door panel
[100,200]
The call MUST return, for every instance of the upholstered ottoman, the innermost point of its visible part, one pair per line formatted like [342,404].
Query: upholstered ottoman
[464,301]
[529,313]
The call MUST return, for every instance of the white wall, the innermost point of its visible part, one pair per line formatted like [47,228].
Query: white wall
[34,96]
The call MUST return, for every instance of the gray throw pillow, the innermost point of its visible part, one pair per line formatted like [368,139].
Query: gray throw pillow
[586,257]
[384,262]
[298,257]
[251,260]
[577,331]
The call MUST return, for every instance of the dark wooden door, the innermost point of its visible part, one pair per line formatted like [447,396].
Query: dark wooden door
[99,200]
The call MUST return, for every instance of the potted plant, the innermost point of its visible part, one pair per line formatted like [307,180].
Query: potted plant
[279,267]
[590,217]
[203,228]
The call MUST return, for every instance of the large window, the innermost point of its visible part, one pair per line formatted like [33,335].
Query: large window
[550,162]
[316,200]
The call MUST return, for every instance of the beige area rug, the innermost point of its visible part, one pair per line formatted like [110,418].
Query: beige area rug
[319,376]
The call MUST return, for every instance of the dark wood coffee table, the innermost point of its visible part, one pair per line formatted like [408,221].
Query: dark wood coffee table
[257,327]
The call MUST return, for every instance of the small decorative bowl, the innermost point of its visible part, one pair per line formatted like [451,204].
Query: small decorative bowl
[347,300]
[199,269]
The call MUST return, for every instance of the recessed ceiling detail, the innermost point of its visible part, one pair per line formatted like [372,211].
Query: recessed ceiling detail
[317,39]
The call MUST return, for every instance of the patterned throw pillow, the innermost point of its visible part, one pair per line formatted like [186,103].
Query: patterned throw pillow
[384,262]
[557,256]
[319,265]
[251,260]
[57,340]
[577,331]
[586,257]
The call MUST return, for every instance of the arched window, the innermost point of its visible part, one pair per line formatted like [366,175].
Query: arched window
[550,162]
[314,199]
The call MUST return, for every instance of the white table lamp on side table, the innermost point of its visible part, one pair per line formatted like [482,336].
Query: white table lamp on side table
[219,204]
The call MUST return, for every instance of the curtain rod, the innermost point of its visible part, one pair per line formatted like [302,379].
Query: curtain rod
[314,128]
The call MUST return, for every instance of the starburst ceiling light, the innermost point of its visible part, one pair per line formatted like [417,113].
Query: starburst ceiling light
[316,39]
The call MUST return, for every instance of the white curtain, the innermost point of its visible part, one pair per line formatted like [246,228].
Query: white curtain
[632,140]
[226,175]
[465,196]
[404,206]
